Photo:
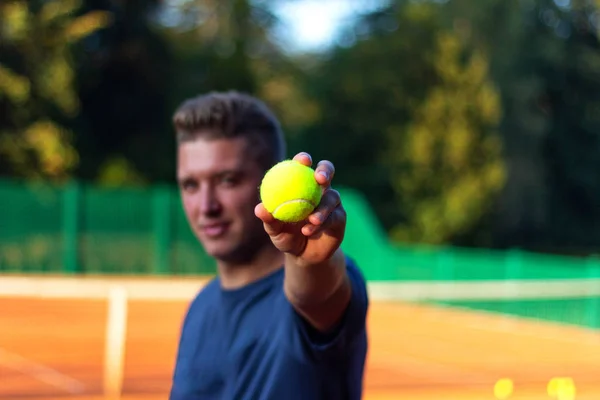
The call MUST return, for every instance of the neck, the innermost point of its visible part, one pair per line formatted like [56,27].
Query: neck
[236,275]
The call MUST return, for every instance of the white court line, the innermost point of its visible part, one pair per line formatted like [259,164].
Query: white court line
[483,290]
[492,321]
[185,289]
[40,372]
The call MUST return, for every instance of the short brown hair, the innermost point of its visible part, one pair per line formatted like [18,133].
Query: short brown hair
[231,114]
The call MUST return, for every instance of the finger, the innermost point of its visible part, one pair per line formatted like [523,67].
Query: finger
[324,173]
[330,201]
[335,222]
[272,226]
[303,158]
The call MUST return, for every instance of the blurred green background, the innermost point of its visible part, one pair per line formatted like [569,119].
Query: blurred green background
[465,133]
[463,123]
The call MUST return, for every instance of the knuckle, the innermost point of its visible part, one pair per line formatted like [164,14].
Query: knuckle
[331,197]
[326,164]
[334,194]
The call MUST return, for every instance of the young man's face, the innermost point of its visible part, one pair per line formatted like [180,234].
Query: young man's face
[219,180]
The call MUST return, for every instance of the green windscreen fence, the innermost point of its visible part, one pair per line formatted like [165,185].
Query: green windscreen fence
[79,228]
[31,224]
[83,229]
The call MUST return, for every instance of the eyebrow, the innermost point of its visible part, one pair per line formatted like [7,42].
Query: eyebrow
[230,171]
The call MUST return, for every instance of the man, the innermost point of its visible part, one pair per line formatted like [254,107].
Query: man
[285,317]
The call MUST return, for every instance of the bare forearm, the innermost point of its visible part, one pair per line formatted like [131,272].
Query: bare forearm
[313,284]
[319,292]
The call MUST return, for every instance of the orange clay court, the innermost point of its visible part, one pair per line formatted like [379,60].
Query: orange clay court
[53,348]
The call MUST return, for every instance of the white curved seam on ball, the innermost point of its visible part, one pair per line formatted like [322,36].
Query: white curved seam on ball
[292,201]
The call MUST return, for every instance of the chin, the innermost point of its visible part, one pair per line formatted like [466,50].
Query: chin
[220,251]
[232,256]
[232,251]
[217,252]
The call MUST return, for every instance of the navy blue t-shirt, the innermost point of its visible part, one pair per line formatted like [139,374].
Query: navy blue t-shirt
[250,344]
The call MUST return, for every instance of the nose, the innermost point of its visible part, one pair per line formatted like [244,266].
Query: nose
[209,203]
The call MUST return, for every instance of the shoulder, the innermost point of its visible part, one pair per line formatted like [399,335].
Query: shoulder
[359,299]
[354,270]
[208,291]
[357,281]
[205,299]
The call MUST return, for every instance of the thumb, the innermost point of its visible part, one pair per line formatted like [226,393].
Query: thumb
[273,227]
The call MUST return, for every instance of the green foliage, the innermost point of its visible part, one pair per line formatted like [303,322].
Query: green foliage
[447,162]
[467,122]
[544,58]
[365,91]
[118,172]
[411,124]
[228,44]
[125,77]
[37,85]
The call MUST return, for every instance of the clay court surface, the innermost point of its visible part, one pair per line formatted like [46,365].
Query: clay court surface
[53,349]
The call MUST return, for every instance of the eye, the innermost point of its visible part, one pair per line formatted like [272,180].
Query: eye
[229,180]
[188,185]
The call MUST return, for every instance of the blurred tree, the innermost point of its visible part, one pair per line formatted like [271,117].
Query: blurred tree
[544,57]
[213,40]
[124,76]
[37,85]
[410,123]
[365,87]
[224,45]
[447,163]
[571,148]
[118,171]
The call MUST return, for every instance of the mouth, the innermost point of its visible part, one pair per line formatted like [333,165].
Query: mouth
[214,230]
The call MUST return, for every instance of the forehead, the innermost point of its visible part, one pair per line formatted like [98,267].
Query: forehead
[213,156]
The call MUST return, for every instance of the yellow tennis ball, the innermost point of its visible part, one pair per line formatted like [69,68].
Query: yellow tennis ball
[503,389]
[289,191]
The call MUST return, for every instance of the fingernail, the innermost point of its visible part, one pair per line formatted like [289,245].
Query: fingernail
[324,174]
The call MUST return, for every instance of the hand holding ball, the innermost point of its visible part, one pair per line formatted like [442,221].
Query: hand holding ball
[290,192]
[301,213]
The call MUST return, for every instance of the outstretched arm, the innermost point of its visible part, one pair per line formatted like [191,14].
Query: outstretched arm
[316,282]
